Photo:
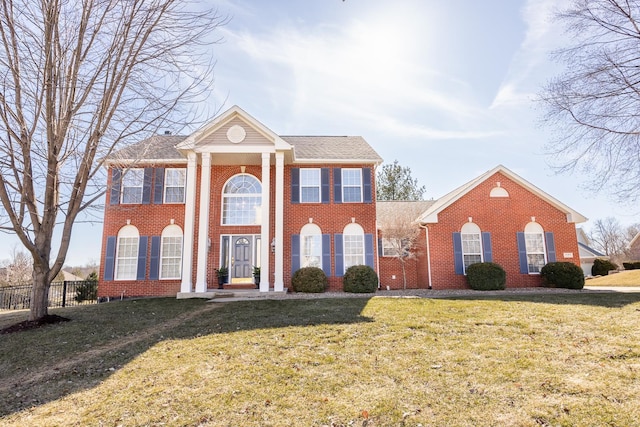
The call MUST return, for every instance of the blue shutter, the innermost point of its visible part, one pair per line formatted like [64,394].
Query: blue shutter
[146,186]
[116,180]
[458,261]
[142,257]
[522,253]
[368,250]
[110,258]
[326,254]
[551,246]
[295,253]
[380,247]
[158,187]
[337,185]
[295,185]
[338,255]
[325,189]
[154,267]
[366,185]
[486,247]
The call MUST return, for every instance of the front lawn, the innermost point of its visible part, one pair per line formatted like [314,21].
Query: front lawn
[508,360]
[623,278]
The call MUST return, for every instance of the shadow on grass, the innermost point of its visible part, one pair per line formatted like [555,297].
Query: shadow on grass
[51,362]
[597,299]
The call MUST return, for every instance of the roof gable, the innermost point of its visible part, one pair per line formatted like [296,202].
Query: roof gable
[431,214]
[233,128]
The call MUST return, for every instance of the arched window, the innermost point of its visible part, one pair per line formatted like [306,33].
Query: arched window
[311,246]
[171,252]
[127,253]
[242,201]
[471,244]
[353,240]
[535,247]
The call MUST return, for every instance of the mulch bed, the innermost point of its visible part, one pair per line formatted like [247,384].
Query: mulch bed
[33,324]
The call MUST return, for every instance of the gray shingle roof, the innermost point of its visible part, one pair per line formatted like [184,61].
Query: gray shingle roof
[332,148]
[386,211]
[337,148]
[157,147]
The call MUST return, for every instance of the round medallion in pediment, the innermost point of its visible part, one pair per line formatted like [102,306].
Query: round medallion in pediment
[236,134]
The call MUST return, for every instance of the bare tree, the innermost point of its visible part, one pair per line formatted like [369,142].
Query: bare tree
[399,229]
[20,268]
[594,106]
[79,80]
[606,235]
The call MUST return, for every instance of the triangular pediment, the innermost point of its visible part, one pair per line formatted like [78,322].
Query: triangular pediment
[233,131]
[431,214]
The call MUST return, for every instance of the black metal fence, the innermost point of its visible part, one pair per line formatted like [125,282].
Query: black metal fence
[61,294]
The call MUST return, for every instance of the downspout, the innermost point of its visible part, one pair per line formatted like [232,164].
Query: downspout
[426,236]
[377,254]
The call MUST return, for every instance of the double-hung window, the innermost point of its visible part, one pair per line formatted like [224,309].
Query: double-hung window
[352,185]
[535,251]
[132,183]
[174,185]
[171,254]
[390,247]
[311,246]
[310,185]
[127,253]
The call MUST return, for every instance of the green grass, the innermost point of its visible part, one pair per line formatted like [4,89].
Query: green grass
[624,278]
[520,360]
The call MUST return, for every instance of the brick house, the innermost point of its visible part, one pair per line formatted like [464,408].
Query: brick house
[234,194]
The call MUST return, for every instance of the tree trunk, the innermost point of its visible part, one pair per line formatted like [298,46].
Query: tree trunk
[39,293]
[404,275]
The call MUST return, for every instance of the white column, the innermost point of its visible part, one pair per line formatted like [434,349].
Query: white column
[189,223]
[265,249]
[203,229]
[279,259]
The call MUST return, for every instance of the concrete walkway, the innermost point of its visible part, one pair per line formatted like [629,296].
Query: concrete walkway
[247,295]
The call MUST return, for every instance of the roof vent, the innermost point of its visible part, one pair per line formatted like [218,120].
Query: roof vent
[167,132]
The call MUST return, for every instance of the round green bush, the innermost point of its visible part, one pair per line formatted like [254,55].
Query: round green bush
[309,279]
[562,275]
[601,267]
[360,279]
[486,276]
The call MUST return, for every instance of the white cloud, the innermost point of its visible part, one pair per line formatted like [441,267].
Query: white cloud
[529,66]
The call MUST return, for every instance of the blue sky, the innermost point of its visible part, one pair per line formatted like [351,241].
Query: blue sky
[444,87]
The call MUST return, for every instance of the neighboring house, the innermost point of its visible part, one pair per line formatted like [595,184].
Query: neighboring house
[634,248]
[70,277]
[235,194]
[587,254]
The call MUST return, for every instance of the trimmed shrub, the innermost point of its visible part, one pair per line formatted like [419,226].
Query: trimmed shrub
[631,265]
[360,279]
[601,267]
[486,276]
[562,275]
[309,279]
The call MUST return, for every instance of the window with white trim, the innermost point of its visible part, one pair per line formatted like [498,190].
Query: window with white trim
[132,184]
[390,247]
[171,252]
[311,246]
[353,245]
[242,201]
[471,244]
[310,185]
[174,185]
[351,185]
[534,243]
[127,253]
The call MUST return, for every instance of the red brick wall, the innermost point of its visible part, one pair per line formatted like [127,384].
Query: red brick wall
[415,267]
[150,220]
[503,218]
[331,218]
